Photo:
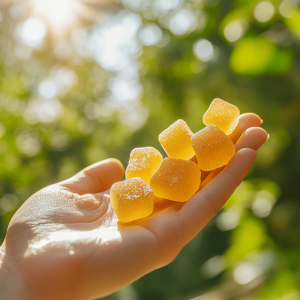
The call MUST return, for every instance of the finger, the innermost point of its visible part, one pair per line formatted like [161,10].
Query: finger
[96,178]
[252,138]
[245,121]
[199,210]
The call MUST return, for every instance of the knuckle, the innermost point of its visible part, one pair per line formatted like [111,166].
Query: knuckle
[234,178]
[211,204]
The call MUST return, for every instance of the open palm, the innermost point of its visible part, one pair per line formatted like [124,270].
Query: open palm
[65,242]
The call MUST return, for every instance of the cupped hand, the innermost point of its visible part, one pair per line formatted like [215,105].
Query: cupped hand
[65,242]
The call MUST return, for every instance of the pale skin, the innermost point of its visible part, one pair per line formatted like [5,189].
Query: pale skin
[65,241]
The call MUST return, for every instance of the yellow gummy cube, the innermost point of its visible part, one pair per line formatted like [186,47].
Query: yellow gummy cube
[213,148]
[222,114]
[131,199]
[176,180]
[176,140]
[143,163]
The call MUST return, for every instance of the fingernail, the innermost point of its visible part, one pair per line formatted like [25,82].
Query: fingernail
[268,136]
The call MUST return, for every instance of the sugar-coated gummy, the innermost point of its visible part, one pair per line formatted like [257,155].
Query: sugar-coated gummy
[213,148]
[222,114]
[131,199]
[176,180]
[143,163]
[176,140]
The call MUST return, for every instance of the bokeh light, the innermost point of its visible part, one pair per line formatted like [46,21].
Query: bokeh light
[182,22]
[47,88]
[214,266]
[204,50]
[150,35]
[235,30]
[288,8]
[228,220]
[32,32]
[28,145]
[162,7]
[60,15]
[264,11]
[7,203]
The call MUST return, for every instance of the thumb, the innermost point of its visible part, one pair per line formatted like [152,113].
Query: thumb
[96,178]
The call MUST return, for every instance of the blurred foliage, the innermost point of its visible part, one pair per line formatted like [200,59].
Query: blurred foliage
[123,73]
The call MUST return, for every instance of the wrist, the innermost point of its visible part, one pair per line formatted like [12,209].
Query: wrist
[12,285]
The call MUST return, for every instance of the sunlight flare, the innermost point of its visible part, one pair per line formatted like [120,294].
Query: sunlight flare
[60,15]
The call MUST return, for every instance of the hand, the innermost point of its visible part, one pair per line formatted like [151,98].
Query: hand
[65,241]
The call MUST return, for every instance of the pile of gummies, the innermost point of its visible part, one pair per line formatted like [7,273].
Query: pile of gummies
[178,176]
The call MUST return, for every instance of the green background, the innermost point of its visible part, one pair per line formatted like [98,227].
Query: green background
[251,249]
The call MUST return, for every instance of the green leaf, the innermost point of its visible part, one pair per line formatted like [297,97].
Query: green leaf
[249,236]
[256,55]
[294,23]
[283,284]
